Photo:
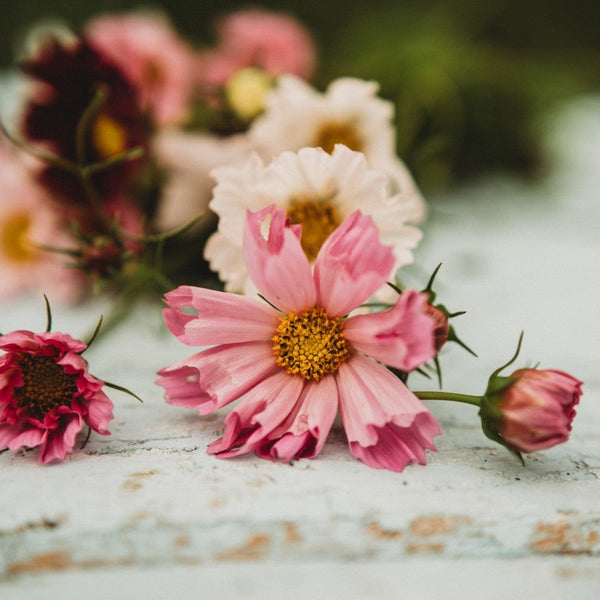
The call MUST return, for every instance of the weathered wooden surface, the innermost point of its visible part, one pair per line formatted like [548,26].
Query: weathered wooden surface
[149,507]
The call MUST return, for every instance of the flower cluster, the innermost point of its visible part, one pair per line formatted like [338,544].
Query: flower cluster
[131,128]
[138,163]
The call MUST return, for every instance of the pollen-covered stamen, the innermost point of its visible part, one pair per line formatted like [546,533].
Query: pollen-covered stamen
[334,133]
[310,344]
[45,387]
[318,220]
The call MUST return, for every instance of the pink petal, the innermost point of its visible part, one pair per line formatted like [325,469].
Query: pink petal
[260,411]
[351,265]
[215,377]
[60,441]
[304,432]
[19,435]
[400,337]
[100,413]
[387,425]
[222,318]
[276,262]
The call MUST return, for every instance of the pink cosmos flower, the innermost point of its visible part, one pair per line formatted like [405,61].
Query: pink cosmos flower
[274,42]
[294,365]
[153,58]
[47,394]
[538,409]
[28,221]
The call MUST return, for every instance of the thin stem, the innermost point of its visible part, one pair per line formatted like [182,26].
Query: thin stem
[85,123]
[464,398]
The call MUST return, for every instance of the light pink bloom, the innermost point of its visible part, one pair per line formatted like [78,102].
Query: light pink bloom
[274,42]
[538,409]
[293,367]
[28,220]
[152,57]
[187,160]
[47,394]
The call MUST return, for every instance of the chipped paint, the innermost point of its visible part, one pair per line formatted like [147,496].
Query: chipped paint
[255,548]
[375,530]
[564,537]
[135,480]
[438,525]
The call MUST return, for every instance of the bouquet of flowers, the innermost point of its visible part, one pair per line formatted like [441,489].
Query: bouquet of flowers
[140,165]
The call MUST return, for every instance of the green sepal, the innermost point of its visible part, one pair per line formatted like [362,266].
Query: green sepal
[489,427]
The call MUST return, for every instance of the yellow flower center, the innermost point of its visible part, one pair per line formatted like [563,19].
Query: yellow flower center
[310,344]
[45,387]
[318,220]
[333,133]
[108,136]
[14,241]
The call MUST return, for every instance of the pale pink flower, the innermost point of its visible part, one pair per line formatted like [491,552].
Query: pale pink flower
[152,57]
[187,160]
[317,190]
[274,42]
[28,221]
[294,365]
[47,394]
[538,409]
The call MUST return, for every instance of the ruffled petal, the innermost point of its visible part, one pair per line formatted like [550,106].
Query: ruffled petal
[215,377]
[99,413]
[259,412]
[222,318]
[401,337]
[276,262]
[304,432]
[19,435]
[351,266]
[60,441]
[386,424]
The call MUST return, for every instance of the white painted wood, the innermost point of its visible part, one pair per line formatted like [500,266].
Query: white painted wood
[148,508]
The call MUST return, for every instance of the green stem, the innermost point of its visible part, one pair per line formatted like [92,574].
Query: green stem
[465,398]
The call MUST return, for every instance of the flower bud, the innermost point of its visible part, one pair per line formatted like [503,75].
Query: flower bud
[102,257]
[246,90]
[440,328]
[530,409]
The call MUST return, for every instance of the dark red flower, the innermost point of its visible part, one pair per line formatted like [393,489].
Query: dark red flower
[70,75]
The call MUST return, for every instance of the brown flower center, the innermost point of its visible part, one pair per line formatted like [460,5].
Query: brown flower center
[318,220]
[14,241]
[108,137]
[45,387]
[334,133]
[310,344]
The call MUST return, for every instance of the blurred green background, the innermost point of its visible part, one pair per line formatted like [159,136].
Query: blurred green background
[471,79]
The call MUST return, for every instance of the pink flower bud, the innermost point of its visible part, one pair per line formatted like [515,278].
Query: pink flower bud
[537,410]
[441,327]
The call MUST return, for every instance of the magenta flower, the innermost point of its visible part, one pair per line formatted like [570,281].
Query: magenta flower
[294,365]
[536,410]
[47,394]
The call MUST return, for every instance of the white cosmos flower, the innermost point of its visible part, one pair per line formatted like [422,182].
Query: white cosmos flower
[315,188]
[350,113]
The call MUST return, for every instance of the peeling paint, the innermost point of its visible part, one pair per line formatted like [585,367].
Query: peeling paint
[291,534]
[436,525]
[563,537]
[425,548]
[256,548]
[43,523]
[134,481]
[375,530]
